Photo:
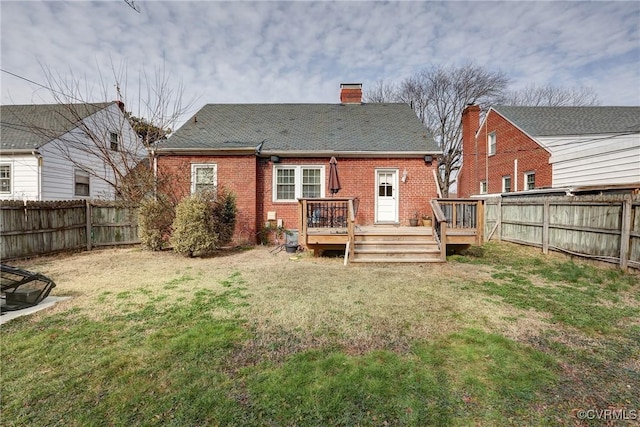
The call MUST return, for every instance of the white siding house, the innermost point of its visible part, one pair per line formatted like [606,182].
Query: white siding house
[46,154]
[594,160]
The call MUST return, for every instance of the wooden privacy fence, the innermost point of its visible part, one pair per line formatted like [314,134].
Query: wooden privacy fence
[38,228]
[603,227]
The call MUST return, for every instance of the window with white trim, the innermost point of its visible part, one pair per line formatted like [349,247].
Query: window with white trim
[204,177]
[491,143]
[483,187]
[81,183]
[114,139]
[291,182]
[5,179]
[529,180]
[506,184]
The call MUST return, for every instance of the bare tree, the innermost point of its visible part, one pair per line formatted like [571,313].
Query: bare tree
[438,95]
[552,96]
[381,92]
[101,138]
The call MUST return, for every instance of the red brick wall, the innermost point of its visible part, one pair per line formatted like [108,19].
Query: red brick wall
[511,144]
[235,173]
[357,178]
[251,179]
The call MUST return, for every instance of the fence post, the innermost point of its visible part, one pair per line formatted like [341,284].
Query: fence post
[88,215]
[625,235]
[499,219]
[545,227]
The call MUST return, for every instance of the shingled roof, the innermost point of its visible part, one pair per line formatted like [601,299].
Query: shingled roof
[552,121]
[305,128]
[28,127]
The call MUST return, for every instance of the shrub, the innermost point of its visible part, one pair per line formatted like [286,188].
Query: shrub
[224,216]
[202,224]
[155,217]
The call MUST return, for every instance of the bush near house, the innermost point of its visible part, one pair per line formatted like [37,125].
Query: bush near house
[155,217]
[203,224]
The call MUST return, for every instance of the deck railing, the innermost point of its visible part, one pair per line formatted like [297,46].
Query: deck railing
[464,218]
[328,216]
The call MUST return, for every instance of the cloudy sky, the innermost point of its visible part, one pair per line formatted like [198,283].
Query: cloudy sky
[299,52]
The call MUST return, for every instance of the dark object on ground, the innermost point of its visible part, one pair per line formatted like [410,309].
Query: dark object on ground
[21,288]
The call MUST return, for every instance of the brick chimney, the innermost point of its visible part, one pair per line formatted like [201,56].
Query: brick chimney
[470,123]
[351,93]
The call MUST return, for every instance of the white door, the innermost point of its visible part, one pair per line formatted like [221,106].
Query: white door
[387,195]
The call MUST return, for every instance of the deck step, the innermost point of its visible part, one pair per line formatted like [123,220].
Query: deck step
[389,245]
[394,260]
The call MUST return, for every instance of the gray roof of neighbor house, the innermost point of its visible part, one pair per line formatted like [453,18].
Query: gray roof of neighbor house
[551,121]
[27,127]
[304,128]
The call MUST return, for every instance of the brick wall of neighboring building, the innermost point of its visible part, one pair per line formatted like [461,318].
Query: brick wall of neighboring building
[251,179]
[511,144]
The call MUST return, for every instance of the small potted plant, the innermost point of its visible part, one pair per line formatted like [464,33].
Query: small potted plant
[413,221]
[426,220]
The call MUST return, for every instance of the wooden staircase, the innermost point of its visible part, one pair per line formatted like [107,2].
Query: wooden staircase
[395,244]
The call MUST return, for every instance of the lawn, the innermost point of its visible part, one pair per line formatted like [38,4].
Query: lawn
[500,336]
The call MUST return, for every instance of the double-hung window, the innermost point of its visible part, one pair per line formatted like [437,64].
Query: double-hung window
[5,179]
[483,187]
[529,180]
[114,140]
[204,177]
[81,183]
[506,184]
[291,182]
[491,144]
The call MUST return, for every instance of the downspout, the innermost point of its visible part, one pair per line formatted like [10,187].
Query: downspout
[39,159]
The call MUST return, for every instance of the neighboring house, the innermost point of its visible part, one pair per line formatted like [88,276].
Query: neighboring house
[272,154]
[46,152]
[526,148]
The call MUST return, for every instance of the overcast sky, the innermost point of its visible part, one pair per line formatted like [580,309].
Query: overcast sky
[299,52]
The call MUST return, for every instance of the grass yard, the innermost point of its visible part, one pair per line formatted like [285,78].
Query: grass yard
[500,336]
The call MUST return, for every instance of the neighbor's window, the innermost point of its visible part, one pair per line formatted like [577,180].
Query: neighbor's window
[81,183]
[204,176]
[529,180]
[491,143]
[292,182]
[114,139]
[5,179]
[506,184]
[483,187]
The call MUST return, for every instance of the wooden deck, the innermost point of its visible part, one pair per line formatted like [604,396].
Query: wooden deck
[329,224]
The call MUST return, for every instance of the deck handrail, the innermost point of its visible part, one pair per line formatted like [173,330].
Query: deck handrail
[351,226]
[440,228]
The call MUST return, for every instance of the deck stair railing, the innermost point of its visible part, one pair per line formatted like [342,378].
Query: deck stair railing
[439,228]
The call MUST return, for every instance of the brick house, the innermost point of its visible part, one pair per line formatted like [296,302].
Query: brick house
[526,148]
[271,155]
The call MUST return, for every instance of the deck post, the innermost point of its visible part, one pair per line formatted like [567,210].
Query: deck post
[443,241]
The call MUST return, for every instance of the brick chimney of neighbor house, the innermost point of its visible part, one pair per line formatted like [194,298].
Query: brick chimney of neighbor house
[351,93]
[470,124]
